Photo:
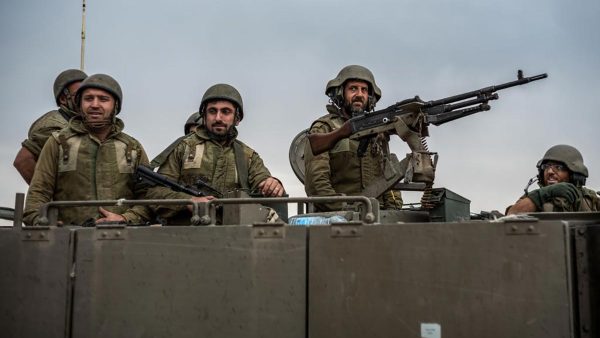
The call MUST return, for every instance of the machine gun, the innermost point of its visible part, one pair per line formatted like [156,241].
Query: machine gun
[409,119]
[201,188]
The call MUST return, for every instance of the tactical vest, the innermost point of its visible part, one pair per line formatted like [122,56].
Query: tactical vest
[193,156]
[126,148]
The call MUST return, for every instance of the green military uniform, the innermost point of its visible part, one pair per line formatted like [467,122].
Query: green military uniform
[199,157]
[564,197]
[43,127]
[341,171]
[74,165]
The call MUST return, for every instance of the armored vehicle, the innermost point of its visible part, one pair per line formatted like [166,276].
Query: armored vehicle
[432,273]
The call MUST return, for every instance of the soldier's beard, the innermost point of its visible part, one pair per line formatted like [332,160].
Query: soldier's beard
[230,134]
[353,110]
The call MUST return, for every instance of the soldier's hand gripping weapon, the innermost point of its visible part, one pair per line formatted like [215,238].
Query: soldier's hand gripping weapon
[409,119]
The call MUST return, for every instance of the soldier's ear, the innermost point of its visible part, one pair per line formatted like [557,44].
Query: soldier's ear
[237,117]
[62,99]
[578,179]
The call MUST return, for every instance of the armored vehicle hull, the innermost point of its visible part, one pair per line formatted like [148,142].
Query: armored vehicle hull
[513,277]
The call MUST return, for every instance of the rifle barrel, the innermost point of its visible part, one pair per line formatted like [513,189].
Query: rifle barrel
[486,90]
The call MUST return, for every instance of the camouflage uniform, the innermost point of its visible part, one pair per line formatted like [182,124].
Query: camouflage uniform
[43,127]
[74,165]
[341,171]
[199,157]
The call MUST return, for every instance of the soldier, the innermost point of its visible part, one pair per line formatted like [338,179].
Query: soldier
[91,159]
[192,123]
[341,170]
[561,176]
[65,86]
[190,126]
[214,155]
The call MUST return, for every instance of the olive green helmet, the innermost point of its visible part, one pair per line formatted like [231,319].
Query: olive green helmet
[64,79]
[570,157]
[335,90]
[223,91]
[104,82]
[193,120]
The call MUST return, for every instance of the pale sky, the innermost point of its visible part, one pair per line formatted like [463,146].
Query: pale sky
[280,55]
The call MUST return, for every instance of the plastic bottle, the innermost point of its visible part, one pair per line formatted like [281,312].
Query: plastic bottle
[316,220]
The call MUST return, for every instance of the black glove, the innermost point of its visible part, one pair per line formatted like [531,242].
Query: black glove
[565,196]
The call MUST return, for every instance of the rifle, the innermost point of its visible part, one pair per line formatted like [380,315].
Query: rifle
[201,188]
[409,119]
[416,113]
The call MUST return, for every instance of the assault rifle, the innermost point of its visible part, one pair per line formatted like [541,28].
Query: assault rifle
[415,113]
[409,119]
[201,188]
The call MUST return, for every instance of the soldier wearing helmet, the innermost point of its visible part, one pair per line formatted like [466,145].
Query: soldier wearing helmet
[190,126]
[340,170]
[91,159]
[561,177]
[65,86]
[215,155]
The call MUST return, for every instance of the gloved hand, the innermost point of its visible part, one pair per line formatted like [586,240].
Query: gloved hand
[565,196]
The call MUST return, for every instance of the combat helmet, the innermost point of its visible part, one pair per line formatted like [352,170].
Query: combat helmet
[104,82]
[335,90]
[222,91]
[193,120]
[570,157]
[64,79]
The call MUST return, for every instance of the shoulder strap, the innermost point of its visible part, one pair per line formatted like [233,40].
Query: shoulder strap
[130,144]
[61,136]
[162,157]
[64,114]
[241,165]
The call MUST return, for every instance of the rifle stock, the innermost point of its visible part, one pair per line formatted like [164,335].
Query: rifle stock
[322,142]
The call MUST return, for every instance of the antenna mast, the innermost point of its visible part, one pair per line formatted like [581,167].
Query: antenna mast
[82,35]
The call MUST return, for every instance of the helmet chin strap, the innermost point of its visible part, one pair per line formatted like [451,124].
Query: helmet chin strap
[70,105]
[531,181]
[100,125]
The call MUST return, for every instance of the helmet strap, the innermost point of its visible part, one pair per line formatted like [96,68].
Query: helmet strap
[102,125]
[70,104]
[529,183]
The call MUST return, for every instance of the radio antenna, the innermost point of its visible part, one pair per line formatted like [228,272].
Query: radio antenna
[82,36]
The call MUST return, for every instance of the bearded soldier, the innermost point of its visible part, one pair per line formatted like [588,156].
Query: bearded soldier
[65,86]
[340,170]
[561,176]
[91,159]
[215,155]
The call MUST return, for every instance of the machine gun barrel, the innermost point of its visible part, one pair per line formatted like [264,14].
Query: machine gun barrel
[487,90]
[434,112]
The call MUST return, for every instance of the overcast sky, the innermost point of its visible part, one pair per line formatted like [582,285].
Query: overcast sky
[280,55]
